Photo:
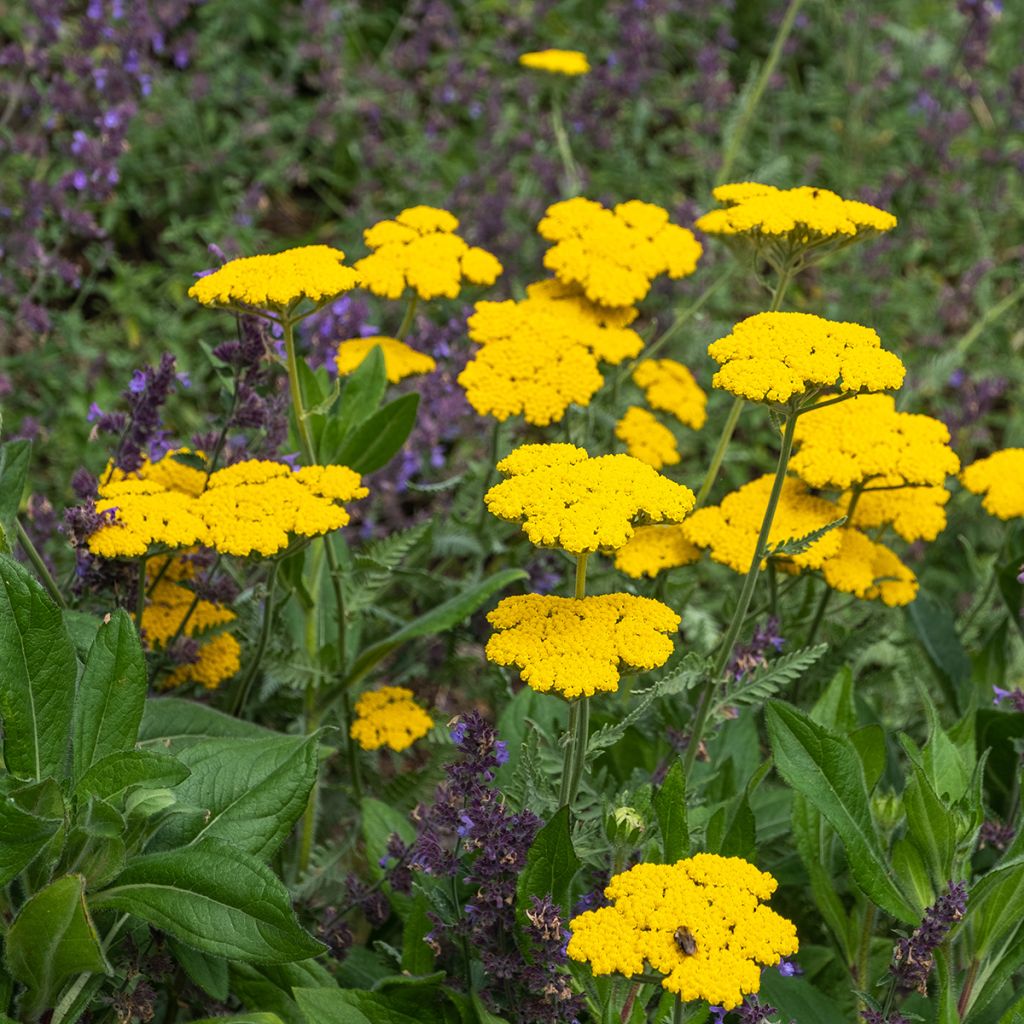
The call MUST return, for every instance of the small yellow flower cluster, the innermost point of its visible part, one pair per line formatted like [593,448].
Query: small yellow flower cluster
[419,248]
[389,717]
[699,922]
[869,570]
[566,499]
[670,387]
[653,549]
[864,439]
[250,506]
[576,646]
[805,214]
[729,530]
[400,360]
[646,439]
[769,357]
[541,354]
[914,513]
[614,255]
[314,272]
[1000,477]
[556,62]
[168,472]
[219,655]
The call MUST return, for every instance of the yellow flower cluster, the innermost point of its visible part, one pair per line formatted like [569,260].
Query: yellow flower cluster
[770,357]
[655,548]
[420,249]
[168,472]
[541,354]
[566,499]
[646,439]
[556,62]
[729,531]
[389,717]
[250,506]
[614,255]
[1000,477]
[314,272]
[805,214]
[219,655]
[576,646]
[699,922]
[670,387]
[914,513]
[866,438]
[400,360]
[869,570]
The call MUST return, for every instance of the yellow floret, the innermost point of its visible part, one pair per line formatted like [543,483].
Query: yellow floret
[400,360]
[556,62]
[314,272]
[1000,477]
[914,513]
[655,548]
[565,499]
[869,570]
[577,646]
[646,439]
[670,387]
[389,717]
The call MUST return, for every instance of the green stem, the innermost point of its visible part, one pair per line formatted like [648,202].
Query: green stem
[579,715]
[410,313]
[677,1011]
[719,453]
[140,593]
[351,749]
[242,692]
[819,615]
[737,139]
[569,166]
[295,390]
[746,593]
[965,993]
[864,948]
[39,565]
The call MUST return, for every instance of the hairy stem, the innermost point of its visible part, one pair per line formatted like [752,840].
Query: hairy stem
[39,565]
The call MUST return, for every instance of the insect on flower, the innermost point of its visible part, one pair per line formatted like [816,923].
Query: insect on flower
[685,942]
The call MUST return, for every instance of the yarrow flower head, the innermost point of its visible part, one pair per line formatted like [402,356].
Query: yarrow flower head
[914,513]
[869,570]
[652,549]
[400,360]
[277,282]
[700,922]
[420,249]
[670,387]
[614,255]
[577,646]
[770,357]
[566,499]
[556,62]
[389,717]
[1000,478]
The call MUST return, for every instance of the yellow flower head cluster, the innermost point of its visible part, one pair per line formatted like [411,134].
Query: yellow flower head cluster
[250,506]
[655,548]
[389,717]
[914,513]
[314,272]
[770,357]
[699,922]
[1000,477]
[400,360]
[540,355]
[866,438]
[805,214]
[646,439]
[729,531]
[168,472]
[869,570]
[670,387]
[169,602]
[556,62]
[577,646]
[420,249]
[614,255]
[566,499]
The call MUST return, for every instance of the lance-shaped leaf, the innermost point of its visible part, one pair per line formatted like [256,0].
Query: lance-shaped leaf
[551,865]
[22,836]
[14,460]
[37,676]
[374,443]
[670,810]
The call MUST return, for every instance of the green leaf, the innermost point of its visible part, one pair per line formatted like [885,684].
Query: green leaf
[117,772]
[670,810]
[53,936]
[82,628]
[171,724]
[869,742]
[111,694]
[269,987]
[996,903]
[213,897]
[909,866]
[767,679]
[243,1018]
[37,681]
[249,792]
[1014,1014]
[379,822]
[931,827]
[798,545]
[22,836]
[14,460]
[825,768]
[935,627]
[361,393]
[414,1004]
[210,973]
[417,956]
[834,709]
[374,443]
[551,865]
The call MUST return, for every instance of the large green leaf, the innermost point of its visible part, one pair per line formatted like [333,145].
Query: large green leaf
[826,769]
[248,792]
[996,903]
[171,724]
[360,395]
[670,809]
[111,694]
[269,987]
[374,443]
[931,826]
[22,836]
[14,460]
[53,936]
[117,772]
[215,898]
[551,865]
[37,676]
[424,1003]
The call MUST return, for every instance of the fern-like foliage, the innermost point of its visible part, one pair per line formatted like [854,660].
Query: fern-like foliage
[767,680]
[798,545]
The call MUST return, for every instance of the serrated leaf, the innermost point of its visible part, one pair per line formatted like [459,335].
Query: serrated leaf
[766,680]
[798,545]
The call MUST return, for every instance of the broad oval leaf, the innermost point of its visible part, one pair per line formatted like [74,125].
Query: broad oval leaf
[117,772]
[171,724]
[374,443]
[551,865]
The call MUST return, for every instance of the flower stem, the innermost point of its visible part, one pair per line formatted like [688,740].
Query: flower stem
[719,454]
[819,615]
[746,593]
[410,313]
[295,390]
[579,716]
[569,166]
[677,1011]
[39,565]
[242,692]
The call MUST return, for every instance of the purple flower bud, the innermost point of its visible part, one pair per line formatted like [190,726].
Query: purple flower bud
[501,752]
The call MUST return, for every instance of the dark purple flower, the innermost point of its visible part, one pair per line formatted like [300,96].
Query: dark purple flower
[914,956]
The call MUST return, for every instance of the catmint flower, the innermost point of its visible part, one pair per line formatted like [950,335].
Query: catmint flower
[914,956]
[752,655]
